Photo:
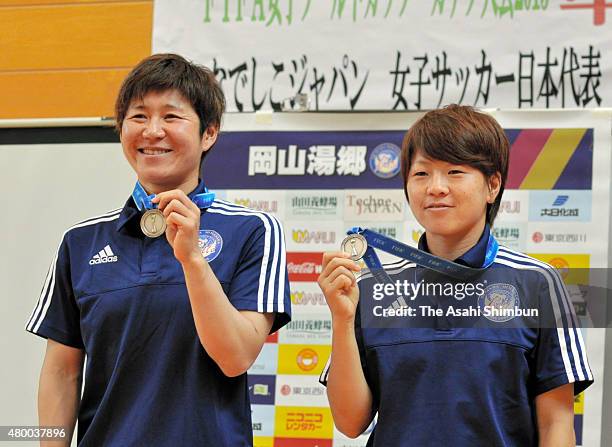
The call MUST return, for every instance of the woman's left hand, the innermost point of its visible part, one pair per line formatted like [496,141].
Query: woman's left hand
[183,220]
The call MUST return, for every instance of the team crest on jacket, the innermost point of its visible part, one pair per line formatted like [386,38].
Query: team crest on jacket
[498,302]
[210,244]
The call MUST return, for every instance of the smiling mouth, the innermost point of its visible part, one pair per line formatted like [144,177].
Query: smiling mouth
[147,151]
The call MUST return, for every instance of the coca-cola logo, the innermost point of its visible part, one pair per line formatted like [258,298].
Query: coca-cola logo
[304,266]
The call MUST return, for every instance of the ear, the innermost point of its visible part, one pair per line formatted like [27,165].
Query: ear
[209,138]
[494,184]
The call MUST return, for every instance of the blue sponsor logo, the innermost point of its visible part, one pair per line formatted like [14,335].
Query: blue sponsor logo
[385,160]
[560,206]
[560,201]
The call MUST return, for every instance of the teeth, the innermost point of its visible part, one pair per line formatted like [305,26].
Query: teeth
[154,151]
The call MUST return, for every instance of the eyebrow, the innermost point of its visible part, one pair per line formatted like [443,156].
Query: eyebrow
[141,106]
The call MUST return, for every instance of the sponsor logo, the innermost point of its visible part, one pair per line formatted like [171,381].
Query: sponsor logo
[373,205]
[510,207]
[303,298]
[285,390]
[561,265]
[557,211]
[261,389]
[559,238]
[560,200]
[307,330]
[104,256]
[390,231]
[309,326]
[210,243]
[385,160]
[323,160]
[573,268]
[514,206]
[302,359]
[307,359]
[314,205]
[393,230]
[313,237]
[560,206]
[507,233]
[510,234]
[303,391]
[268,206]
[304,266]
[303,422]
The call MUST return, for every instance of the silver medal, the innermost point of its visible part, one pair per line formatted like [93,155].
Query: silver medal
[355,245]
[153,223]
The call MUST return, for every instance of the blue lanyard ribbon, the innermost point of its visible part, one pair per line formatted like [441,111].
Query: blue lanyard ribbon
[143,200]
[420,257]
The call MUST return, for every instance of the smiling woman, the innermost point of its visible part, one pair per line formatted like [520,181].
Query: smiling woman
[490,385]
[161,140]
[169,325]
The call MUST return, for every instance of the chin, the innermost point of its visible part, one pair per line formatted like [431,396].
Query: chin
[443,229]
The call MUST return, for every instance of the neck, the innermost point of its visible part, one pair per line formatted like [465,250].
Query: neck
[452,247]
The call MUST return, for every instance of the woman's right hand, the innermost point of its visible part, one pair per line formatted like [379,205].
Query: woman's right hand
[337,281]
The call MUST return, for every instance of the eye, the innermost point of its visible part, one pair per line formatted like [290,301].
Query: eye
[456,171]
[419,174]
[138,116]
[171,116]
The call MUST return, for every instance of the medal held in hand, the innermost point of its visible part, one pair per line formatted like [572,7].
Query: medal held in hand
[153,223]
[354,245]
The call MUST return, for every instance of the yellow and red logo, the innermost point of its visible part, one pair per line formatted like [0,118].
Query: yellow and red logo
[573,268]
[307,359]
[302,359]
[303,422]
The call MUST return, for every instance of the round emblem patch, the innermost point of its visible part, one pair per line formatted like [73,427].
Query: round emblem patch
[500,301]
[385,160]
[210,244]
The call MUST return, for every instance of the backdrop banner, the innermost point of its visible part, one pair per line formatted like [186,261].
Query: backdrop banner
[395,54]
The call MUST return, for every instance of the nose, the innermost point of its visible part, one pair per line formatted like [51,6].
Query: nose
[438,184]
[154,129]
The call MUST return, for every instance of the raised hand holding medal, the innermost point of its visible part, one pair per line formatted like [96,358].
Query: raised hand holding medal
[182,217]
[175,214]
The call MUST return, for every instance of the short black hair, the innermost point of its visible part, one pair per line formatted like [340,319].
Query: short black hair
[167,71]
